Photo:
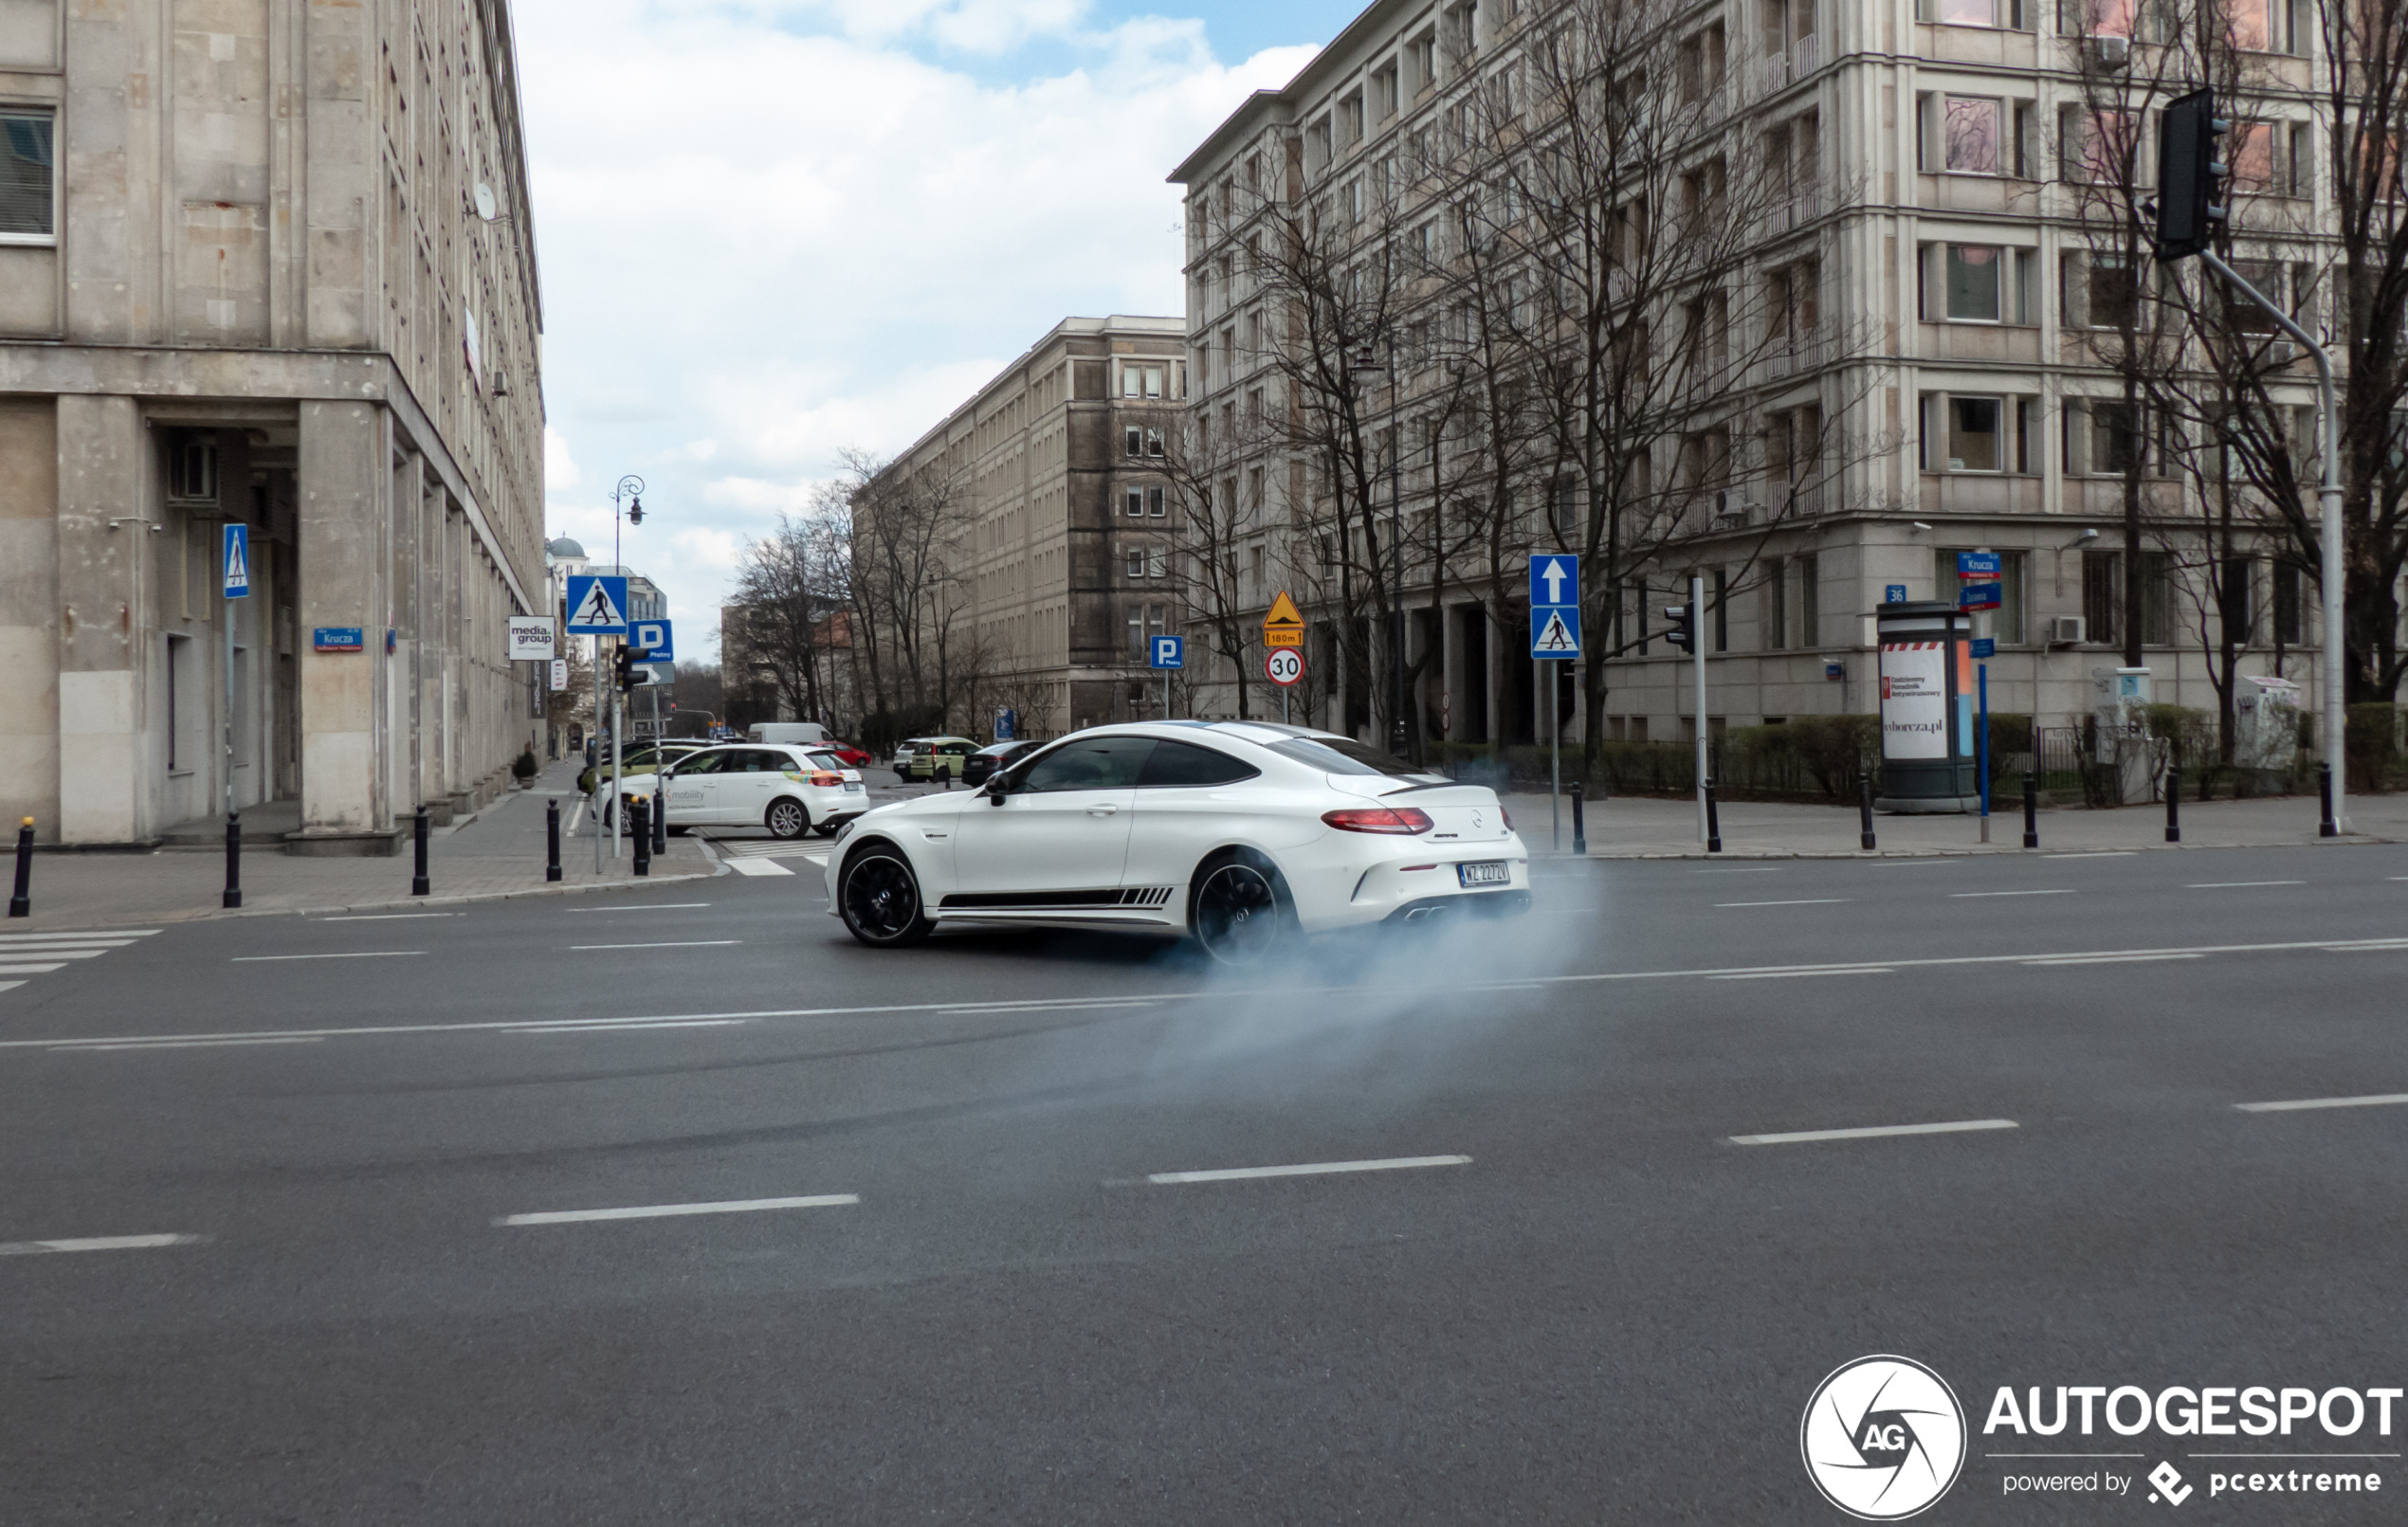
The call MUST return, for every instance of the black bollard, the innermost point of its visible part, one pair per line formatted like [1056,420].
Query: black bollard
[2174,805]
[2328,828]
[2031,812]
[233,859]
[419,885]
[1713,822]
[20,905]
[1580,821]
[552,840]
[659,816]
[641,811]
[1865,811]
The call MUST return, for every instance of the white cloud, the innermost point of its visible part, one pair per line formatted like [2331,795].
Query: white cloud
[772,230]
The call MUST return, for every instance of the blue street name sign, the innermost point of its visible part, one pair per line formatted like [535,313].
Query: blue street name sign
[339,638]
[1555,633]
[1980,597]
[1170,652]
[238,561]
[1983,565]
[651,638]
[1985,647]
[1894,594]
[597,606]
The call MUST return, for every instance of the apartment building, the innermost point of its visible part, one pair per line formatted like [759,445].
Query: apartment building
[266,262]
[1903,364]
[1040,526]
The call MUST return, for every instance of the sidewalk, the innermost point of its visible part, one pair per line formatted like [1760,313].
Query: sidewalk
[1654,827]
[500,851]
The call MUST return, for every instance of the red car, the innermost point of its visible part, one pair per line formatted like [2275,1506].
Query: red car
[854,758]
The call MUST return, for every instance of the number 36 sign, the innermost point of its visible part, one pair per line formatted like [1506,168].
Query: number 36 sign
[1284,665]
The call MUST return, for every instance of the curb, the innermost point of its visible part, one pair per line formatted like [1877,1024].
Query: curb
[1969,852]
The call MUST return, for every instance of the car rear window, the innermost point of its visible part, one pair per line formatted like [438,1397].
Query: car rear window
[1343,756]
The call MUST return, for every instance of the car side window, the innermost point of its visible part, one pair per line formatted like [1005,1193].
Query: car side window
[701,763]
[1091,763]
[1184,763]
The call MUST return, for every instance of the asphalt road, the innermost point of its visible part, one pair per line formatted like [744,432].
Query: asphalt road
[368,1152]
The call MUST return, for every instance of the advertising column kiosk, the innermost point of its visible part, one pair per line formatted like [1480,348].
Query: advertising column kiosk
[1927,761]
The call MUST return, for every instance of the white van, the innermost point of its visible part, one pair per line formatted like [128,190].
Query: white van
[787,731]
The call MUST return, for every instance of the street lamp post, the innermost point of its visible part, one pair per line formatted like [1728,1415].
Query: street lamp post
[1366,363]
[629,493]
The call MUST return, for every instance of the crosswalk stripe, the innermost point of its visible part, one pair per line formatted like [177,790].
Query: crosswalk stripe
[758,866]
[43,954]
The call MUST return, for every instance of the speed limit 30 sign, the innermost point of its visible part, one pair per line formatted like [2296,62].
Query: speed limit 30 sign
[1284,665]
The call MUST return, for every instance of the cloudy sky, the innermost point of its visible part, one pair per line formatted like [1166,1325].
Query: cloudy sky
[770,230]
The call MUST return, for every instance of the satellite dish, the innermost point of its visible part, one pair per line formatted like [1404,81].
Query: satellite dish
[485,207]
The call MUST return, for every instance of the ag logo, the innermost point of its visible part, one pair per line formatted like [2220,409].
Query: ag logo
[1883,1438]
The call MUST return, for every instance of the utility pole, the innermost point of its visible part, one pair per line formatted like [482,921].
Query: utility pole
[1697,651]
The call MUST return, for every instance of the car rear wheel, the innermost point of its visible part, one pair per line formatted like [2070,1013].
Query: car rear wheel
[787,819]
[878,898]
[1240,909]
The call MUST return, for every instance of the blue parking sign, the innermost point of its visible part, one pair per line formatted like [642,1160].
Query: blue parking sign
[652,639]
[1170,652]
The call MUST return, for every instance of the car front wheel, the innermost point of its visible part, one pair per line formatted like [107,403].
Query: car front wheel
[1240,909]
[878,898]
[787,819]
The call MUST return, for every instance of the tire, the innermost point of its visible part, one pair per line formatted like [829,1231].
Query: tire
[787,818]
[826,829]
[1239,909]
[878,896]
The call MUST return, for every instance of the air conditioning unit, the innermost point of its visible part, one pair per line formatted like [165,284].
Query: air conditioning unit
[2068,631]
[2107,54]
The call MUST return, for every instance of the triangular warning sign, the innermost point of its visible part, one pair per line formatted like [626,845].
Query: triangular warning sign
[596,609]
[1556,637]
[1284,612]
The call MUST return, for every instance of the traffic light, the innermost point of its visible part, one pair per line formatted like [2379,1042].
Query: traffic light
[2190,175]
[626,668]
[1684,631]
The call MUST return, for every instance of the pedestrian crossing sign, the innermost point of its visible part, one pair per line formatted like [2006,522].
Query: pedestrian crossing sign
[597,606]
[1555,632]
[238,560]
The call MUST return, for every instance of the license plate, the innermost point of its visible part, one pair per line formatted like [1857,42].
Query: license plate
[1493,872]
[853,784]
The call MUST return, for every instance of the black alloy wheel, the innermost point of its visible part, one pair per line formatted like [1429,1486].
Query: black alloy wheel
[879,896]
[787,819]
[1240,911]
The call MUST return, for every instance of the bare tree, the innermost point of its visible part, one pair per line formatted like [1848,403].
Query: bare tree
[787,584]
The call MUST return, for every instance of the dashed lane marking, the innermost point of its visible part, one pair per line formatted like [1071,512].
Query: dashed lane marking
[647,906]
[360,953]
[2107,959]
[661,1211]
[89,933]
[2118,853]
[2239,886]
[689,943]
[184,1044]
[386,917]
[610,1028]
[1819,970]
[1400,1163]
[95,1243]
[1975,896]
[30,970]
[1808,1137]
[2381,1099]
[1810,901]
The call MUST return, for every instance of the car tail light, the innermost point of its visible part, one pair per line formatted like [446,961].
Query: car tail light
[1401,821]
[1507,815]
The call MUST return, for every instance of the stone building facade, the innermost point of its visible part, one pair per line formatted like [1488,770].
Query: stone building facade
[1937,288]
[1059,531]
[267,261]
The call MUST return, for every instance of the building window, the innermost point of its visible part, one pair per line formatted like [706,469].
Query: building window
[1142,381]
[1969,12]
[1154,443]
[2286,604]
[1970,124]
[28,157]
[1134,439]
[1136,559]
[2156,599]
[1973,283]
[1809,601]
[1136,503]
[1775,604]
[1155,506]
[1973,434]
[2237,599]
[1722,610]
[2103,595]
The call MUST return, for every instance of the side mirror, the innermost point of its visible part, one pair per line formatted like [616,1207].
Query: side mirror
[996,790]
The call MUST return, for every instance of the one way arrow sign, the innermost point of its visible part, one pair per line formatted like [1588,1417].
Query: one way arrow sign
[1555,582]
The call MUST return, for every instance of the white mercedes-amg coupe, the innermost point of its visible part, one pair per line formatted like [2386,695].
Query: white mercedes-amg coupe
[1239,834]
